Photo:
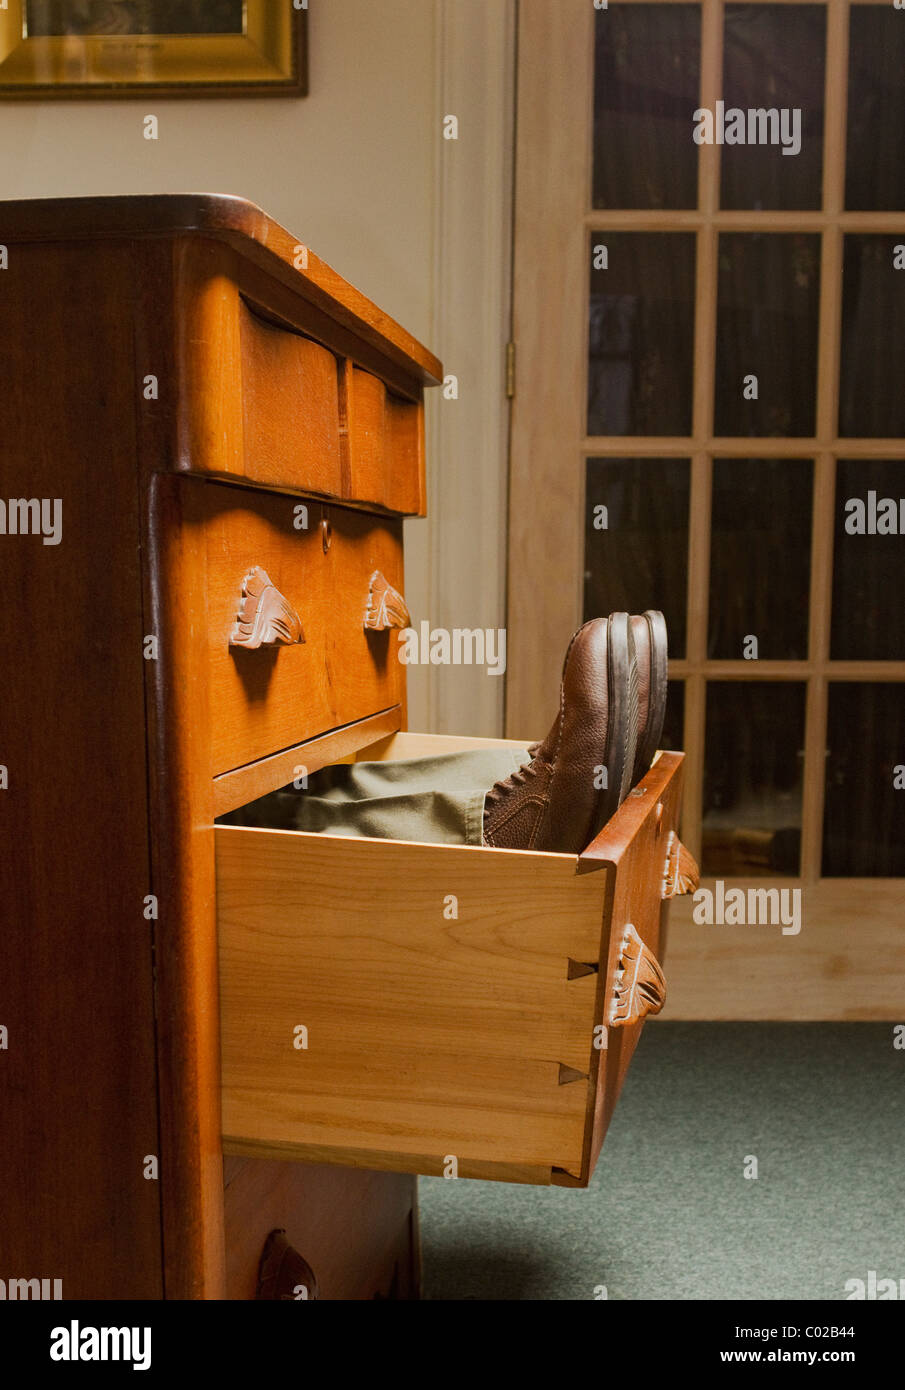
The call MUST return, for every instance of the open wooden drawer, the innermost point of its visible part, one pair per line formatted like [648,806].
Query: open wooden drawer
[441,1009]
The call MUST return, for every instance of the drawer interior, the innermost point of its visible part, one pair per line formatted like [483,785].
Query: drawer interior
[425,1008]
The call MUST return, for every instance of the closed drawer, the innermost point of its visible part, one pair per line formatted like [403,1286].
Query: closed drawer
[385,435]
[465,1010]
[268,690]
[290,406]
[353,1228]
[290,402]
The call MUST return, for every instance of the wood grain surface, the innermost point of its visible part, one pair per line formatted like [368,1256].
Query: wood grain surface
[633,849]
[290,397]
[244,784]
[238,224]
[274,392]
[431,1035]
[78,1096]
[353,1227]
[268,700]
[427,1036]
[847,964]
[108,962]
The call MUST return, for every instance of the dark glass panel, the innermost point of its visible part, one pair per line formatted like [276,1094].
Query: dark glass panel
[869,561]
[760,558]
[773,66]
[864,811]
[753,763]
[640,559]
[768,298]
[874,167]
[871,382]
[641,348]
[647,80]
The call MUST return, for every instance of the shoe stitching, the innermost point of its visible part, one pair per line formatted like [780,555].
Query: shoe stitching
[539,802]
[562,705]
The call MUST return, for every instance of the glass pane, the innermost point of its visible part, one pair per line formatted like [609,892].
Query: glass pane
[636,540]
[753,763]
[760,559]
[875,169]
[647,80]
[766,335]
[869,561]
[772,123]
[864,811]
[871,394]
[641,333]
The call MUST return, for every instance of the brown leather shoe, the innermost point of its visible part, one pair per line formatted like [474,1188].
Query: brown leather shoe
[651,654]
[583,769]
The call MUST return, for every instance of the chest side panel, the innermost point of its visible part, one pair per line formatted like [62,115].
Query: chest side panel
[77,1080]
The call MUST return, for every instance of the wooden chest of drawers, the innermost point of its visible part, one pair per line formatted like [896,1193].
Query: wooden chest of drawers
[233,435]
[207,401]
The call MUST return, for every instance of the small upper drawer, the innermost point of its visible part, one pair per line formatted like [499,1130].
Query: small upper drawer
[293,651]
[290,402]
[385,436]
[459,1003]
[301,403]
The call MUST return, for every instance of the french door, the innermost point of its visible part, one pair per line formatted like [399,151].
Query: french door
[709,418]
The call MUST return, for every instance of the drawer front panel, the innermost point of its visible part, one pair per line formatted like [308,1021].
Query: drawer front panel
[353,1228]
[459,1003]
[290,394]
[288,405]
[274,696]
[386,444]
[426,1037]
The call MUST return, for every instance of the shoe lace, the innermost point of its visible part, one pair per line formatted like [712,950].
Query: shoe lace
[514,780]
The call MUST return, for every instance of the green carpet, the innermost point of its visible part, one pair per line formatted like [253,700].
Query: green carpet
[669,1214]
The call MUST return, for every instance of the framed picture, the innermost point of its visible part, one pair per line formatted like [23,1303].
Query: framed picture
[100,48]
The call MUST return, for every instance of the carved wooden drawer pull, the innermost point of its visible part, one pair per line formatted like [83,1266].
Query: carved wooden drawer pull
[640,986]
[265,618]
[283,1275]
[681,874]
[386,606]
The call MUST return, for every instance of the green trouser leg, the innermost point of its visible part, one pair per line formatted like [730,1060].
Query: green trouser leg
[438,800]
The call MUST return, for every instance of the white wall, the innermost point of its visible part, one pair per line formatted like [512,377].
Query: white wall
[359,171]
[350,168]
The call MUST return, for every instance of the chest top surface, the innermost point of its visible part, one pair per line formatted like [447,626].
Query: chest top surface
[231,221]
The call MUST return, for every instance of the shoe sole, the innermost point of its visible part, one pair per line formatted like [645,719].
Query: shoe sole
[649,737]
[622,720]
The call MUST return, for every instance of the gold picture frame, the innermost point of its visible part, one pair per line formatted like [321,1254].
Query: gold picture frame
[111,48]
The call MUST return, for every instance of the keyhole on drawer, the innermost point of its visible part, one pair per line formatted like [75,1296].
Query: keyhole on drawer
[326,533]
